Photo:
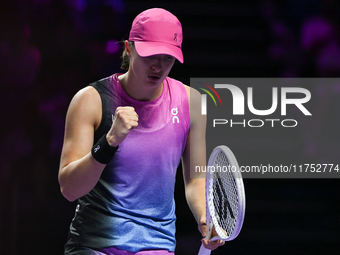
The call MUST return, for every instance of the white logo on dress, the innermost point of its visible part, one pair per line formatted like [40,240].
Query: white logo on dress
[174,112]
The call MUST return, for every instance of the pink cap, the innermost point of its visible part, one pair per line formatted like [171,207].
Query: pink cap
[157,31]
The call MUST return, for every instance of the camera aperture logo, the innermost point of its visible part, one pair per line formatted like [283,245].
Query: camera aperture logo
[238,105]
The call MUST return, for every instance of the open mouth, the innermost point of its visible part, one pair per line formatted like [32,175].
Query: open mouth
[154,77]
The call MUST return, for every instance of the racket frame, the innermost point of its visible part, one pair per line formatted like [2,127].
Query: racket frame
[240,191]
[210,216]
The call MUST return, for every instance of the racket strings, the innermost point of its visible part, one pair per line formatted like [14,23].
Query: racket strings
[225,197]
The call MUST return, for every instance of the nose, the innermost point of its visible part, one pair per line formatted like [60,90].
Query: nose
[157,64]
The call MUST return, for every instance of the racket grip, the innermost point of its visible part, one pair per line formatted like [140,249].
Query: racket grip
[204,251]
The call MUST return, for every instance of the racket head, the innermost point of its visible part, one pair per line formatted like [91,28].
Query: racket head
[225,194]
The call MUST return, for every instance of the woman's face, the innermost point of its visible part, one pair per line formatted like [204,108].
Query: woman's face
[150,70]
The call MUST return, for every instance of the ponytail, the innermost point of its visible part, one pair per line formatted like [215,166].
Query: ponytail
[126,59]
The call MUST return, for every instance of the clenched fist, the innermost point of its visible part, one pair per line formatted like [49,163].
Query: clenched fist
[124,120]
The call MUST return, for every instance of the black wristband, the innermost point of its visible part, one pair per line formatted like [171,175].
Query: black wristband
[102,151]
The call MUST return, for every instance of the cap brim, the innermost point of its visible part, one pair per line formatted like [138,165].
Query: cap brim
[146,49]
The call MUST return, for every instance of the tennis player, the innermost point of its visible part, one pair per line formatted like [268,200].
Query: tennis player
[125,136]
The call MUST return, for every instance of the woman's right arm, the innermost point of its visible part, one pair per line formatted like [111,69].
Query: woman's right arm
[79,171]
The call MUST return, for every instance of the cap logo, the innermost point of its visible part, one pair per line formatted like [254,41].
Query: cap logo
[175,37]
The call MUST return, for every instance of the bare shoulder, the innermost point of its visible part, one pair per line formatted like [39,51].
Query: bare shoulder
[193,95]
[87,94]
[195,106]
[86,106]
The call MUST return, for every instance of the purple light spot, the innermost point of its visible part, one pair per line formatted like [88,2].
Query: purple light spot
[112,46]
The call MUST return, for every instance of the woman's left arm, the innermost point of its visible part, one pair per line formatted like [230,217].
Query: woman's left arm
[195,155]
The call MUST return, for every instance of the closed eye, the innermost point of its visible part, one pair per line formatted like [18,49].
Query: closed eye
[168,57]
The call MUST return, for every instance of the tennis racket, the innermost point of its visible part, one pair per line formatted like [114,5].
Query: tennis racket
[225,196]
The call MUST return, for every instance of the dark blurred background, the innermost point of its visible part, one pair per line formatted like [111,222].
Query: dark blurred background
[49,49]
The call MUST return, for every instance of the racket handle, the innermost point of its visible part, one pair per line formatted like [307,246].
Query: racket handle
[204,251]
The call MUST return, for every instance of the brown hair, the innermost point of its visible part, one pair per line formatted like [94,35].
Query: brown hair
[125,58]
